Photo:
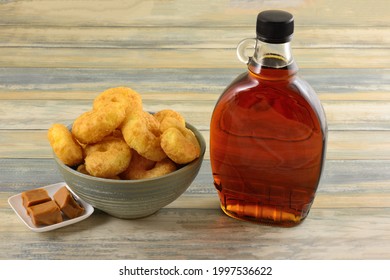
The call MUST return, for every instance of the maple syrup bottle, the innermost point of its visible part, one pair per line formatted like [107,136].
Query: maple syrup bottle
[268,132]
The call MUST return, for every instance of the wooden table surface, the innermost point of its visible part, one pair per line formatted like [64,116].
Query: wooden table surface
[56,56]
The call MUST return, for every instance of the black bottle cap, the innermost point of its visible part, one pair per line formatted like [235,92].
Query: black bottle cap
[274,26]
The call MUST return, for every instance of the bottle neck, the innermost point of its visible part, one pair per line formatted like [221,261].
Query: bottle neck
[272,56]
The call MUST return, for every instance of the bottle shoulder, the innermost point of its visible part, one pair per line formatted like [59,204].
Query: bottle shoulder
[248,82]
[294,99]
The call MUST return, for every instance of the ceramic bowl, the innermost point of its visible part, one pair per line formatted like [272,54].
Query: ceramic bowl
[131,199]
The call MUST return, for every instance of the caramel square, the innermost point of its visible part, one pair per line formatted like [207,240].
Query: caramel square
[67,203]
[34,197]
[46,213]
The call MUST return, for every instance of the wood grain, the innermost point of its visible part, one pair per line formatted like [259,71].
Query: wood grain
[179,84]
[57,56]
[185,232]
[189,13]
[341,144]
[180,58]
[356,115]
[341,179]
[208,37]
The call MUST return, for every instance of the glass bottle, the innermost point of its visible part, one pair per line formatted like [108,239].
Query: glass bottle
[268,132]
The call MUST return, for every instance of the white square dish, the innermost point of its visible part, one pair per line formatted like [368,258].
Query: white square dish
[17,205]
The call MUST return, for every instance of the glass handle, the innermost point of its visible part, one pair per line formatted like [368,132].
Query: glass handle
[243,46]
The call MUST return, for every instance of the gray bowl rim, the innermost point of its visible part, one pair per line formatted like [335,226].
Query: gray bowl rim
[198,135]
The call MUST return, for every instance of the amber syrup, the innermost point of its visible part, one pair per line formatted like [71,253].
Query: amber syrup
[267,145]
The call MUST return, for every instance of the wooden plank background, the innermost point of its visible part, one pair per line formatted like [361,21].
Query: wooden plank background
[56,56]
